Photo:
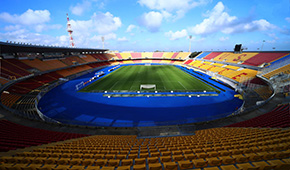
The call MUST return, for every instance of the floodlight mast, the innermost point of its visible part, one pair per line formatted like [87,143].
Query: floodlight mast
[190,37]
[70,31]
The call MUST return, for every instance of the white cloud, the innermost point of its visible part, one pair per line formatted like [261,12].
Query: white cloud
[222,39]
[131,27]
[23,35]
[172,6]
[29,17]
[36,20]
[176,35]
[102,23]
[287,19]
[110,36]
[80,8]
[152,20]
[219,20]
[122,39]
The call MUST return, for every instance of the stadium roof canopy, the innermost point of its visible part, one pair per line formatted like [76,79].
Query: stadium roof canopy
[9,48]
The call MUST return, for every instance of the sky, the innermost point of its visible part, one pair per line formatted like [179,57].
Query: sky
[149,25]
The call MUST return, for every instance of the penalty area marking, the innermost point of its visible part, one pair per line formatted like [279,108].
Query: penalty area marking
[114,84]
[182,85]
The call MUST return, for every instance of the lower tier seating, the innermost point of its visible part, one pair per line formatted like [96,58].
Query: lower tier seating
[14,136]
[211,149]
[279,117]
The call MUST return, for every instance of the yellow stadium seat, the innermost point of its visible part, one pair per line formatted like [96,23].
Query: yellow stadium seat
[123,167]
[108,168]
[262,165]
[139,161]
[246,166]
[77,167]
[228,167]
[214,161]
[241,158]
[127,162]
[189,156]
[62,167]
[46,167]
[101,162]
[279,165]
[227,160]
[139,167]
[200,163]
[155,166]
[165,159]
[113,162]
[152,160]
[93,168]
[211,168]
[185,164]
[170,166]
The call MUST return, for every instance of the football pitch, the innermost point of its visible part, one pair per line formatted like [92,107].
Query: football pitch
[164,77]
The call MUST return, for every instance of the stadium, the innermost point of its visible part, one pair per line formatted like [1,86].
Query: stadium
[77,108]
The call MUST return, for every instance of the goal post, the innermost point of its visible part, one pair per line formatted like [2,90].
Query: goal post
[148,86]
[80,85]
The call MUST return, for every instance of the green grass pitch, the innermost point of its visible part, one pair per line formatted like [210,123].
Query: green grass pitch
[165,77]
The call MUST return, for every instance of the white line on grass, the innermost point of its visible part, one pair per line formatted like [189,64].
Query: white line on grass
[182,85]
[114,84]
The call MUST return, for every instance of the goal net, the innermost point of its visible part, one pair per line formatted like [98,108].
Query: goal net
[148,86]
[147,64]
[80,85]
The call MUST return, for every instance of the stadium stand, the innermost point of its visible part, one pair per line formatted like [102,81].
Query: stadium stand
[284,69]
[126,55]
[136,55]
[3,80]
[157,55]
[15,136]
[183,55]
[216,148]
[55,64]
[202,55]
[12,67]
[147,55]
[88,58]
[167,55]
[72,60]
[264,58]
[39,65]
[212,55]
[278,118]
[73,70]
[234,58]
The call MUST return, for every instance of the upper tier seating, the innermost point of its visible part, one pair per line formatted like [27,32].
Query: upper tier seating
[14,136]
[147,55]
[72,60]
[136,55]
[182,55]
[212,55]
[264,58]
[13,67]
[279,117]
[203,54]
[210,149]
[234,58]
[44,65]
[88,58]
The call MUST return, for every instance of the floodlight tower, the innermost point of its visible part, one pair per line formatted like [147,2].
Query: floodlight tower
[103,42]
[70,31]
[190,37]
